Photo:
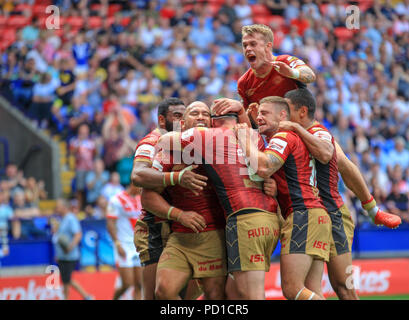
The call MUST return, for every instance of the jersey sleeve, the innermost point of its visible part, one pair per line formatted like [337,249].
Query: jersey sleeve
[280,146]
[114,208]
[291,61]
[322,134]
[145,152]
[162,162]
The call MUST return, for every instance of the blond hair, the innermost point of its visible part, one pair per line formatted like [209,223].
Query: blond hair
[278,102]
[262,29]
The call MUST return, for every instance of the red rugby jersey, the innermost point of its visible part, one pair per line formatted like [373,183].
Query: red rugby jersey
[327,174]
[252,88]
[205,203]
[145,151]
[225,164]
[296,179]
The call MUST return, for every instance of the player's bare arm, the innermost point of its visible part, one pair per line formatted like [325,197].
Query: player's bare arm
[153,202]
[145,177]
[265,164]
[112,232]
[354,180]
[302,73]
[351,175]
[320,148]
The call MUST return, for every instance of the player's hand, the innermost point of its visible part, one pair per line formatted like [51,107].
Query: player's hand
[270,187]
[121,251]
[283,69]
[252,111]
[193,181]
[225,105]
[240,129]
[192,220]
[287,125]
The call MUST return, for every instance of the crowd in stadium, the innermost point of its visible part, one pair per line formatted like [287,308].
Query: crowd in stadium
[96,81]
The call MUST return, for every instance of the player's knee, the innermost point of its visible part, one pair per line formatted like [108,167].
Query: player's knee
[216,293]
[343,292]
[162,291]
[290,290]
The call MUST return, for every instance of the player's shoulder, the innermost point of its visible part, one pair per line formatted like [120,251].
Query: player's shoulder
[151,138]
[285,135]
[245,77]
[194,131]
[290,60]
[317,127]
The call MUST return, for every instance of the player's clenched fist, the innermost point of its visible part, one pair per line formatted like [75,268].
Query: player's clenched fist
[252,111]
[270,187]
[192,181]
[192,220]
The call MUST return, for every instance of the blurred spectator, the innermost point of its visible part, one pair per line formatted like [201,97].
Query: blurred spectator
[14,179]
[6,215]
[84,150]
[292,10]
[23,87]
[95,181]
[117,143]
[113,186]
[201,37]
[397,202]
[34,191]
[99,210]
[67,82]
[276,7]
[343,135]
[43,98]
[399,155]
[23,226]
[243,12]
[379,157]
[66,241]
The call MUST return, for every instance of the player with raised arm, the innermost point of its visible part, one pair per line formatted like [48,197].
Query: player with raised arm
[268,75]
[151,233]
[306,231]
[252,225]
[124,209]
[322,147]
[196,247]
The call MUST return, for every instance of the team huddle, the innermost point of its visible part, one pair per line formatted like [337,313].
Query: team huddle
[222,184]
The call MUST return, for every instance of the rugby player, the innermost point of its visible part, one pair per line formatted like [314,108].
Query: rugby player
[252,224]
[268,75]
[123,211]
[325,149]
[151,233]
[195,248]
[306,231]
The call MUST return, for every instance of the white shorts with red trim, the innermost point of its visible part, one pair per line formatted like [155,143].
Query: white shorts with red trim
[132,256]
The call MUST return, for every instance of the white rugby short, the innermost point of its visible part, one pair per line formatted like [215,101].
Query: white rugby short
[132,256]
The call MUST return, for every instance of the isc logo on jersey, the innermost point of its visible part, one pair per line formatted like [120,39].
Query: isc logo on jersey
[277,145]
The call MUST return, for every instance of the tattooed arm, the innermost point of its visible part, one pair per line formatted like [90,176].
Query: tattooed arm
[306,74]
[263,163]
[301,73]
